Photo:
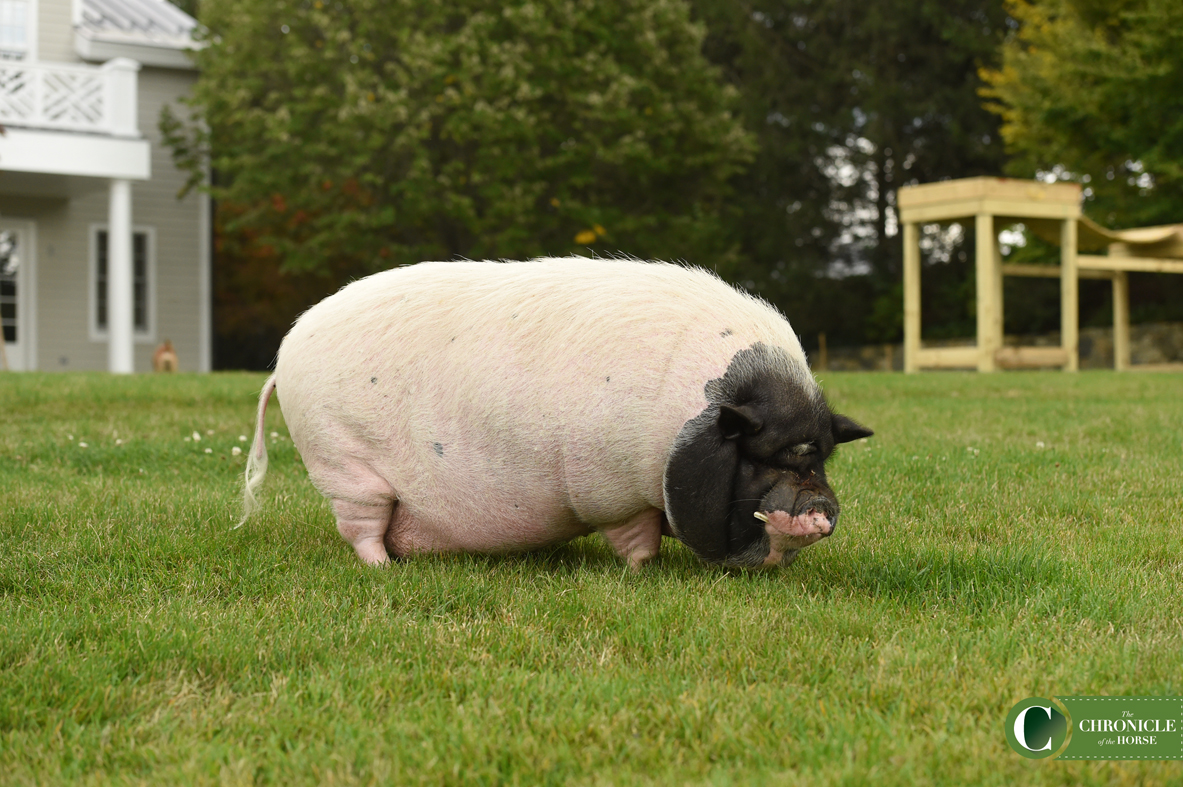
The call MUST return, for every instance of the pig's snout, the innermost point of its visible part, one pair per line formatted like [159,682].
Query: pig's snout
[795,516]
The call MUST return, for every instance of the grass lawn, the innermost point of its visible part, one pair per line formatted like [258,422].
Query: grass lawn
[1002,536]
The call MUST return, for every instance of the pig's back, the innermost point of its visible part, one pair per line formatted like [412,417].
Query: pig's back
[531,397]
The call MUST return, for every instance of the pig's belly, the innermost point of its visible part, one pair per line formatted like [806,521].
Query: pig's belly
[454,528]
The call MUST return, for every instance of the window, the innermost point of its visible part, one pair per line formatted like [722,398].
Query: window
[14,29]
[8,301]
[141,266]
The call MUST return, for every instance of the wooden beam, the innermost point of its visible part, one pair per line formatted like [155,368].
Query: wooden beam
[1051,271]
[1030,357]
[947,358]
[1141,264]
[966,209]
[1023,192]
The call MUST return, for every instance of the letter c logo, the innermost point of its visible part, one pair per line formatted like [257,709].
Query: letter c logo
[1020,727]
[1036,729]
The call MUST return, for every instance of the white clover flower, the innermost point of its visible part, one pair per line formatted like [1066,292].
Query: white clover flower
[196,436]
[1039,444]
[242,438]
[209,450]
[118,442]
[83,445]
[235,451]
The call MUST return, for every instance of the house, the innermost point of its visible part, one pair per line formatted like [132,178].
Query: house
[99,259]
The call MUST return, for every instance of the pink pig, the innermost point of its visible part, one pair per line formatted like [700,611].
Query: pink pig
[500,406]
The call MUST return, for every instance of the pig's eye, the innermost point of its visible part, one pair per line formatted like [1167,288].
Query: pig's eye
[801,449]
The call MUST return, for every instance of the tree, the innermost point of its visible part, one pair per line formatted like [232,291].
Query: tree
[850,100]
[368,133]
[1088,91]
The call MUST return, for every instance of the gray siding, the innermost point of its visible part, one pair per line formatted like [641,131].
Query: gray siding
[55,34]
[176,223]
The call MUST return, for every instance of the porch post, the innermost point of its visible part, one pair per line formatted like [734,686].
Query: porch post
[120,295]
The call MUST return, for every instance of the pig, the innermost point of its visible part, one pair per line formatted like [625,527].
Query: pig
[504,406]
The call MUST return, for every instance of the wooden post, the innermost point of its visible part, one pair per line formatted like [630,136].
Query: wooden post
[989,309]
[1000,316]
[1069,296]
[823,355]
[1121,321]
[911,297]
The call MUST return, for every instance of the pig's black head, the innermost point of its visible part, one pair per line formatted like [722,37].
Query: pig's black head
[746,483]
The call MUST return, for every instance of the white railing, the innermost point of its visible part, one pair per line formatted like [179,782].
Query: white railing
[96,99]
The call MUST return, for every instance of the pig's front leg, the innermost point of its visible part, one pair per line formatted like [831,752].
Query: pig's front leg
[637,540]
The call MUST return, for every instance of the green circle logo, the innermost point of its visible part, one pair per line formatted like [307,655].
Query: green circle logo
[1035,728]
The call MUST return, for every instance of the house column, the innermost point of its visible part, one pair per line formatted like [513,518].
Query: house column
[120,292]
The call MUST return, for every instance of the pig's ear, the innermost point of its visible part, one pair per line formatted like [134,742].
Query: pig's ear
[846,430]
[699,484]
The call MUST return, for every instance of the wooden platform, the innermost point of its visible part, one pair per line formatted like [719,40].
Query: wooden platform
[1052,211]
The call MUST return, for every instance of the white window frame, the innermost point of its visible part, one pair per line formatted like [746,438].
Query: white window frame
[29,54]
[140,336]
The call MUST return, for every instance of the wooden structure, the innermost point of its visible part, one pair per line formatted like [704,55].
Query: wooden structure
[1051,211]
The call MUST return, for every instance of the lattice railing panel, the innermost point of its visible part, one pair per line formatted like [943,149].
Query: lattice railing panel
[73,99]
[41,95]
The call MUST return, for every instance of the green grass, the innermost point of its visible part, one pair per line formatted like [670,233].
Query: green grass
[142,639]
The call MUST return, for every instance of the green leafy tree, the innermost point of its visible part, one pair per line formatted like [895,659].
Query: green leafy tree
[350,136]
[850,100]
[1089,90]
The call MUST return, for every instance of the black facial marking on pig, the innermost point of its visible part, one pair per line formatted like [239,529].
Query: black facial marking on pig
[439,449]
[736,457]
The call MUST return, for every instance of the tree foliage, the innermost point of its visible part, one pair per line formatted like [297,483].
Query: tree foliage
[381,133]
[850,100]
[1089,90]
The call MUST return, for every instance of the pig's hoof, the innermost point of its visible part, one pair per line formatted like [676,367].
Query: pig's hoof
[639,558]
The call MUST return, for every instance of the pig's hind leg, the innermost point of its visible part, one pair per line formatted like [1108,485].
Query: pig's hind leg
[365,527]
[637,540]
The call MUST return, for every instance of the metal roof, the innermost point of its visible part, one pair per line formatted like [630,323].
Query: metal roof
[145,22]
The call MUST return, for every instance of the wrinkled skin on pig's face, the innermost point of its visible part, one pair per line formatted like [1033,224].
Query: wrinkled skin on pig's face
[746,482]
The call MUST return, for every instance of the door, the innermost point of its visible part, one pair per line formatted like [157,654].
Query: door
[15,262]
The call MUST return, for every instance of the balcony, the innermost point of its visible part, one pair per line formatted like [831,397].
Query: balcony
[66,97]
